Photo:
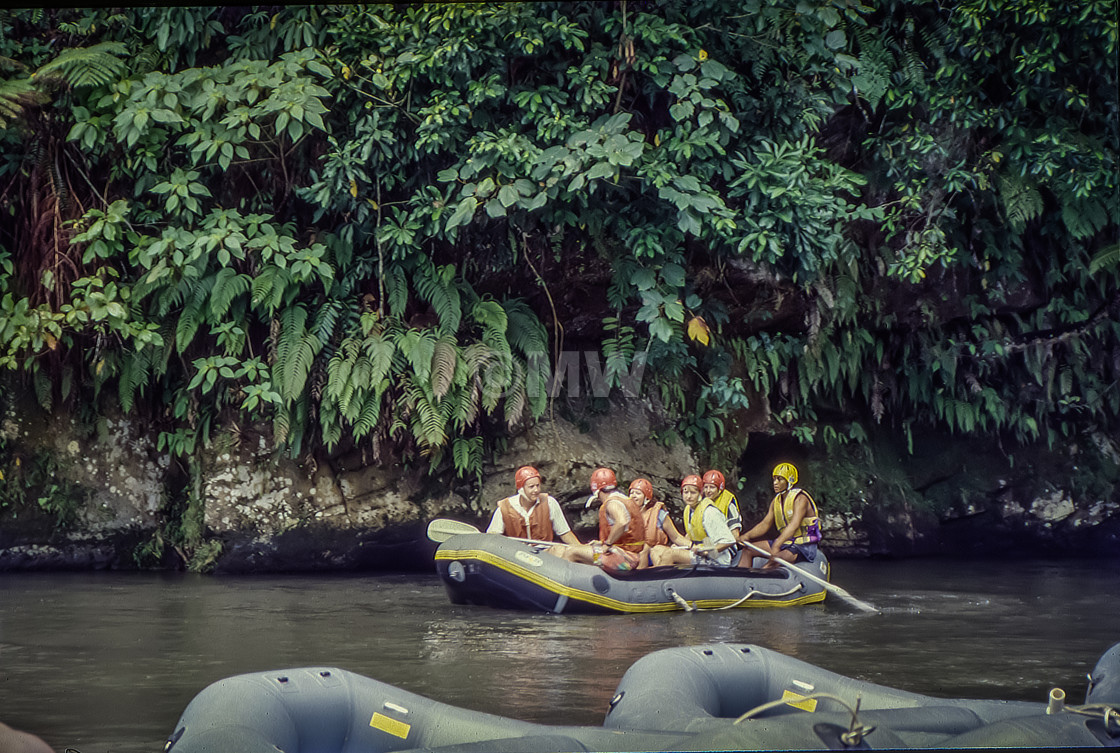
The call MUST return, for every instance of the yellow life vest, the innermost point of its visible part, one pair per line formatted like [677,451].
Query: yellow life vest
[694,520]
[809,532]
[723,501]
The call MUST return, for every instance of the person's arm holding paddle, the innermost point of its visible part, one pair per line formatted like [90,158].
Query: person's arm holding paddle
[755,539]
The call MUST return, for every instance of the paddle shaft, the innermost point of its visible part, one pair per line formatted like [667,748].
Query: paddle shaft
[819,581]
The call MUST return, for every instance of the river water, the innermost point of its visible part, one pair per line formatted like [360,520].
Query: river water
[104,662]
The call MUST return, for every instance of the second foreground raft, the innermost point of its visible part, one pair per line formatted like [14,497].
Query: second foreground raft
[497,571]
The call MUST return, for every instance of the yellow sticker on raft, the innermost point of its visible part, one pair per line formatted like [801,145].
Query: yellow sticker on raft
[799,701]
[392,726]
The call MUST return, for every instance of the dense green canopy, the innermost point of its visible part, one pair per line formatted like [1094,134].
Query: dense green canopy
[383,227]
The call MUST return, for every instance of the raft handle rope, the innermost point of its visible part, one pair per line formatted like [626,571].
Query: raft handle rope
[692,608]
[680,601]
[752,592]
[1108,712]
[856,729]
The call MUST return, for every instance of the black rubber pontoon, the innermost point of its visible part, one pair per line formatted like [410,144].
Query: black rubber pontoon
[715,697]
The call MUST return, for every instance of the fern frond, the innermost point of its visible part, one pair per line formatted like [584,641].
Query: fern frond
[466,454]
[370,413]
[476,357]
[330,426]
[135,370]
[327,319]
[227,286]
[293,326]
[15,95]
[1021,201]
[495,380]
[429,424]
[1083,217]
[380,351]
[525,331]
[281,425]
[339,367]
[418,347]
[87,66]
[295,353]
[516,399]
[875,65]
[445,357]
[42,384]
[436,285]
[193,314]
[467,405]
[396,290]
[1106,259]
[495,324]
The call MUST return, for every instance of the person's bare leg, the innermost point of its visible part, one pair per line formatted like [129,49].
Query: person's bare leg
[14,741]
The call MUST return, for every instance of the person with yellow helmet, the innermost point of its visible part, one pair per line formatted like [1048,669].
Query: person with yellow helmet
[622,528]
[531,514]
[793,514]
[709,539]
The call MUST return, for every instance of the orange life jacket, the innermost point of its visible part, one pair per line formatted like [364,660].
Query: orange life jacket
[655,534]
[540,523]
[635,535]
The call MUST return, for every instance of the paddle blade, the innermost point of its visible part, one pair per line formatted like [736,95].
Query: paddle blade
[441,529]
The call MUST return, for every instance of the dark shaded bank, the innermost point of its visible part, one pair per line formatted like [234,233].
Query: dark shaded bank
[105,497]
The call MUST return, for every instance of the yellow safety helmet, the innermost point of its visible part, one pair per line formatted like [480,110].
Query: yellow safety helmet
[786,471]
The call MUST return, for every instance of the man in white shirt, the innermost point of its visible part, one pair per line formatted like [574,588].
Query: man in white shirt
[530,514]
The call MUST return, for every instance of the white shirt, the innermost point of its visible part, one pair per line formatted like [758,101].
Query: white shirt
[555,514]
[717,532]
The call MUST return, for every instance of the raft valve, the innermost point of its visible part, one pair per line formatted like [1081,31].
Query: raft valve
[1057,701]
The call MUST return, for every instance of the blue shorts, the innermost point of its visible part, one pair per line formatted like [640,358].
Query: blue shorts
[806,552]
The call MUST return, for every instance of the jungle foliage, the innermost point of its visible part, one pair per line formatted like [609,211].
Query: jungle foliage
[375,227]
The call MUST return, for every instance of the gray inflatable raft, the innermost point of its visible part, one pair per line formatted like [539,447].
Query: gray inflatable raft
[716,697]
[497,571]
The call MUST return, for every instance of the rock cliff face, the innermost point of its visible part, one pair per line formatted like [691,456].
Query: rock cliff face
[121,498]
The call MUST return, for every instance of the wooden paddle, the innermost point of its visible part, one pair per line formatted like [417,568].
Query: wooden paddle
[441,529]
[861,605]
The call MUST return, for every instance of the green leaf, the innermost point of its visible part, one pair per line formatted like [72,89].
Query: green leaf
[463,213]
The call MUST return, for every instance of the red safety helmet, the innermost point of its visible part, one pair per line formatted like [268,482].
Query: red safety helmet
[524,473]
[603,478]
[692,480]
[715,477]
[644,485]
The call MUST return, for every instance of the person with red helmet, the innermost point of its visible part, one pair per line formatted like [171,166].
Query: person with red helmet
[621,528]
[715,489]
[530,514]
[793,514]
[660,531]
[709,539]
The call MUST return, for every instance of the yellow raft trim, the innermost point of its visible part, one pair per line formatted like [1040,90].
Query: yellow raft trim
[669,605]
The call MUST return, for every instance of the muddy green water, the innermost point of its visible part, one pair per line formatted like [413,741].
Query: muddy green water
[103,662]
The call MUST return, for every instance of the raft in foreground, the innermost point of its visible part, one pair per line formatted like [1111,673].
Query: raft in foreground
[722,697]
[497,571]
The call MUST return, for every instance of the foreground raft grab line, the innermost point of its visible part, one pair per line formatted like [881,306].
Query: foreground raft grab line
[722,697]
